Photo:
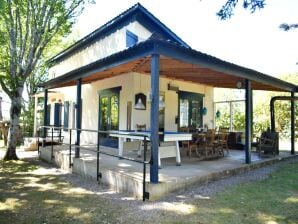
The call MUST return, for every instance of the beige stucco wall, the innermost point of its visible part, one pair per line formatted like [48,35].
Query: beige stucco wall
[131,84]
[109,45]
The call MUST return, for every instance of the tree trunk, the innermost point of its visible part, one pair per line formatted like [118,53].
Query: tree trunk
[14,128]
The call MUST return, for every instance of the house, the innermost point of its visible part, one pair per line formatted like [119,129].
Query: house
[135,71]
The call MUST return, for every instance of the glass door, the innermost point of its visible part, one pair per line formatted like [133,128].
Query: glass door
[109,115]
[190,110]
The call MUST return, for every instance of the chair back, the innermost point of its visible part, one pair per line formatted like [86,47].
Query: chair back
[184,129]
[223,129]
[141,127]
[210,136]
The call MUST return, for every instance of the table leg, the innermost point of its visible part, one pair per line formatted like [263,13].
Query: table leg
[140,149]
[159,161]
[178,159]
[120,146]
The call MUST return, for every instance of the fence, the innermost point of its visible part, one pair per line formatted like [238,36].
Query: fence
[56,138]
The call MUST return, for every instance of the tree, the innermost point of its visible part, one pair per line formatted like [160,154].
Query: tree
[227,9]
[27,27]
[39,76]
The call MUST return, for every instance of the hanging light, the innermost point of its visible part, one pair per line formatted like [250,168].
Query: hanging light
[161,103]
[139,105]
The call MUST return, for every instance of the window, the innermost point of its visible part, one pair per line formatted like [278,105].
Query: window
[131,39]
[66,115]
[190,109]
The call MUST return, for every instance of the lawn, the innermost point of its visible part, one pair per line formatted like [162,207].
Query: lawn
[28,194]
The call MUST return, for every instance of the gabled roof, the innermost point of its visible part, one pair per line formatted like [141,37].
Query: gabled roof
[135,13]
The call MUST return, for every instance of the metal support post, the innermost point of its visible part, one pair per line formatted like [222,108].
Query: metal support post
[70,133]
[154,114]
[248,120]
[78,117]
[52,144]
[292,123]
[98,174]
[45,117]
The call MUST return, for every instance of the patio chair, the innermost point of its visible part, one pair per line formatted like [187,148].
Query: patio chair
[141,127]
[268,143]
[209,144]
[220,143]
[191,145]
[223,140]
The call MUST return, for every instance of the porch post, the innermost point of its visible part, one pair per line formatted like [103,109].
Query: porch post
[292,123]
[35,115]
[45,116]
[248,120]
[78,117]
[154,113]
[231,116]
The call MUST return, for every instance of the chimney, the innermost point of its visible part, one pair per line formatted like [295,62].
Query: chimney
[1,117]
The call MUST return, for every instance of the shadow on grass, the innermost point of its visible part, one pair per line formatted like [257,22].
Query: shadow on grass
[28,195]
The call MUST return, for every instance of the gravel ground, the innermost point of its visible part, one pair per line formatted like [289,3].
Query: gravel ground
[135,208]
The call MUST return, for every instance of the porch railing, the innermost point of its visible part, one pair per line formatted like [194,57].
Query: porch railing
[56,138]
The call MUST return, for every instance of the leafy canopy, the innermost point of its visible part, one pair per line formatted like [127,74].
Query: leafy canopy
[227,9]
[27,27]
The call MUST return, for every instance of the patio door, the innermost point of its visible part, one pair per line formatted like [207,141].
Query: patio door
[109,115]
[190,110]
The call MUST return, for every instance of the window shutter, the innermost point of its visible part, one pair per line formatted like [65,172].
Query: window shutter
[48,121]
[66,115]
[57,114]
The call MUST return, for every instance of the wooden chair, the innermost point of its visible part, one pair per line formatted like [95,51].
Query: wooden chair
[209,144]
[190,145]
[141,127]
[223,140]
[268,143]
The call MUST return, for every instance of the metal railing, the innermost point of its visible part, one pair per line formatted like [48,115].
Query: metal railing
[70,131]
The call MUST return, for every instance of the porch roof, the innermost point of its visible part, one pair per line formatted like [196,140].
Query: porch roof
[176,62]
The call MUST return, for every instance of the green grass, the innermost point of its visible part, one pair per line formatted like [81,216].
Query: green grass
[270,201]
[30,196]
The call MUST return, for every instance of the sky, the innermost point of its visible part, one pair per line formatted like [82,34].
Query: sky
[250,40]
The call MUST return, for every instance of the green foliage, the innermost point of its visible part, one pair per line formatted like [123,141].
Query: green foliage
[227,9]
[261,107]
[27,28]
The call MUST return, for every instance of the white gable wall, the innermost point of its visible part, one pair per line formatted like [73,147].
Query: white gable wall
[107,46]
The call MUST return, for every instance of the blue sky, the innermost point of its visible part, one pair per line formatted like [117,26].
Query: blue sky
[250,40]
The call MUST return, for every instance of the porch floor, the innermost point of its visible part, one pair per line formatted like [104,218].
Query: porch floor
[127,176]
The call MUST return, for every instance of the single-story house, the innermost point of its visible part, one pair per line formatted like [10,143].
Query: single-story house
[133,71]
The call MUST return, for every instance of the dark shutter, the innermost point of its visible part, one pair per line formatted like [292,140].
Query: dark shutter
[57,114]
[66,115]
[48,120]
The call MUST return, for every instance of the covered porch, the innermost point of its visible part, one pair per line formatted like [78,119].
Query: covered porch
[159,58]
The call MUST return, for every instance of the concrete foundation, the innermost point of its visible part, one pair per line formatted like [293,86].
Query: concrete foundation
[127,176]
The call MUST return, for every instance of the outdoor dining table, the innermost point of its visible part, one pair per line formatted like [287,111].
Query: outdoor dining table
[166,151]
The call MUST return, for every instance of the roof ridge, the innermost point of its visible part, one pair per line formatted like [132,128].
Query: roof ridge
[81,42]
